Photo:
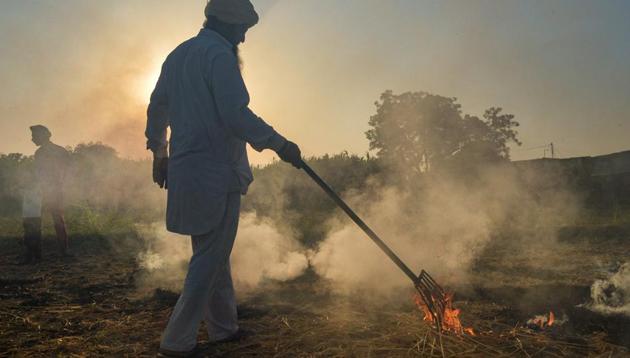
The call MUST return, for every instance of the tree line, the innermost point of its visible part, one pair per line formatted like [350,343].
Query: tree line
[413,136]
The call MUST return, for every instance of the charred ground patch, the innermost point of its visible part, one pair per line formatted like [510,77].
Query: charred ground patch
[90,306]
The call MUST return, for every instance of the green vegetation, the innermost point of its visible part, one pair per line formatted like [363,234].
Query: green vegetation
[416,136]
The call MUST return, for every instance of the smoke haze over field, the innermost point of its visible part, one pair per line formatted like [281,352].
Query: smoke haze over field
[85,68]
[443,229]
[260,253]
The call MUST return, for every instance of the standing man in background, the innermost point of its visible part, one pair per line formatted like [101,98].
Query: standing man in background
[32,222]
[51,162]
[201,96]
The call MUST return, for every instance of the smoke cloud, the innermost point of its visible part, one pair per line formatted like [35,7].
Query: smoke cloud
[612,295]
[442,228]
[260,253]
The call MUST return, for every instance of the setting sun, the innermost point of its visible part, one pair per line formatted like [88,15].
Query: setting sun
[147,80]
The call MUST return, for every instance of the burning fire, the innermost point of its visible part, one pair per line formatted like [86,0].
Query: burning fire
[451,321]
[542,321]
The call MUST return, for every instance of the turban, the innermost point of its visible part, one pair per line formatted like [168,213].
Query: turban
[39,129]
[238,12]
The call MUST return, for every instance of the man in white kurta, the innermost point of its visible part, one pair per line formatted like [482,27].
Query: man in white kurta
[51,163]
[201,96]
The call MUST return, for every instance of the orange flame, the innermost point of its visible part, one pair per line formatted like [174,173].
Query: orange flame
[451,321]
[543,321]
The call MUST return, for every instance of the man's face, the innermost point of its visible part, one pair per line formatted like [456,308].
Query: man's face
[235,34]
[238,35]
[38,138]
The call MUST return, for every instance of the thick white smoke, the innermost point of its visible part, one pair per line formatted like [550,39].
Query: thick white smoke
[260,253]
[612,296]
[444,229]
[443,238]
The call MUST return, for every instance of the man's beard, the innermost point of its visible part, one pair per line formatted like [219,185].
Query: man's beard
[237,53]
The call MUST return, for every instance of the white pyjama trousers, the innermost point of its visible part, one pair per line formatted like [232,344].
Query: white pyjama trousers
[208,292]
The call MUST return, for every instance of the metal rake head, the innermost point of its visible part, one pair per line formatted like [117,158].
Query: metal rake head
[433,296]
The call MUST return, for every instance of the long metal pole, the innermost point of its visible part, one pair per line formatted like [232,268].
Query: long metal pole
[372,235]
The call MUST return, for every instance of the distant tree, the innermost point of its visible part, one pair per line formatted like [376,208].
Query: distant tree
[418,132]
[297,201]
[415,130]
[501,130]
[15,175]
[95,151]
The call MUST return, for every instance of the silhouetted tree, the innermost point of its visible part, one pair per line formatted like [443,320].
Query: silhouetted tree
[501,130]
[95,151]
[417,132]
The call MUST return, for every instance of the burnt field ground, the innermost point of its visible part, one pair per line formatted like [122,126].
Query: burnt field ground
[90,305]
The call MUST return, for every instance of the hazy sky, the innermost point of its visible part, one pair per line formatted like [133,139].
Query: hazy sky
[315,67]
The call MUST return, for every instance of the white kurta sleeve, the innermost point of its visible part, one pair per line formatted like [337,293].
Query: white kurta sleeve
[157,117]
[232,101]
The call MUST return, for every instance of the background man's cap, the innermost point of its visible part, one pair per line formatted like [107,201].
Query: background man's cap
[39,129]
[238,12]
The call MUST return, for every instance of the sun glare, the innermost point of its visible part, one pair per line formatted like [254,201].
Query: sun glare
[146,81]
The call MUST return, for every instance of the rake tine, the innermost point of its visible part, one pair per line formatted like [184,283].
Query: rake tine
[430,302]
[425,293]
[434,287]
[433,296]
[428,277]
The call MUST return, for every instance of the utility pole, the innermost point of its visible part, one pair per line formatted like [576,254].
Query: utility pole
[553,154]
